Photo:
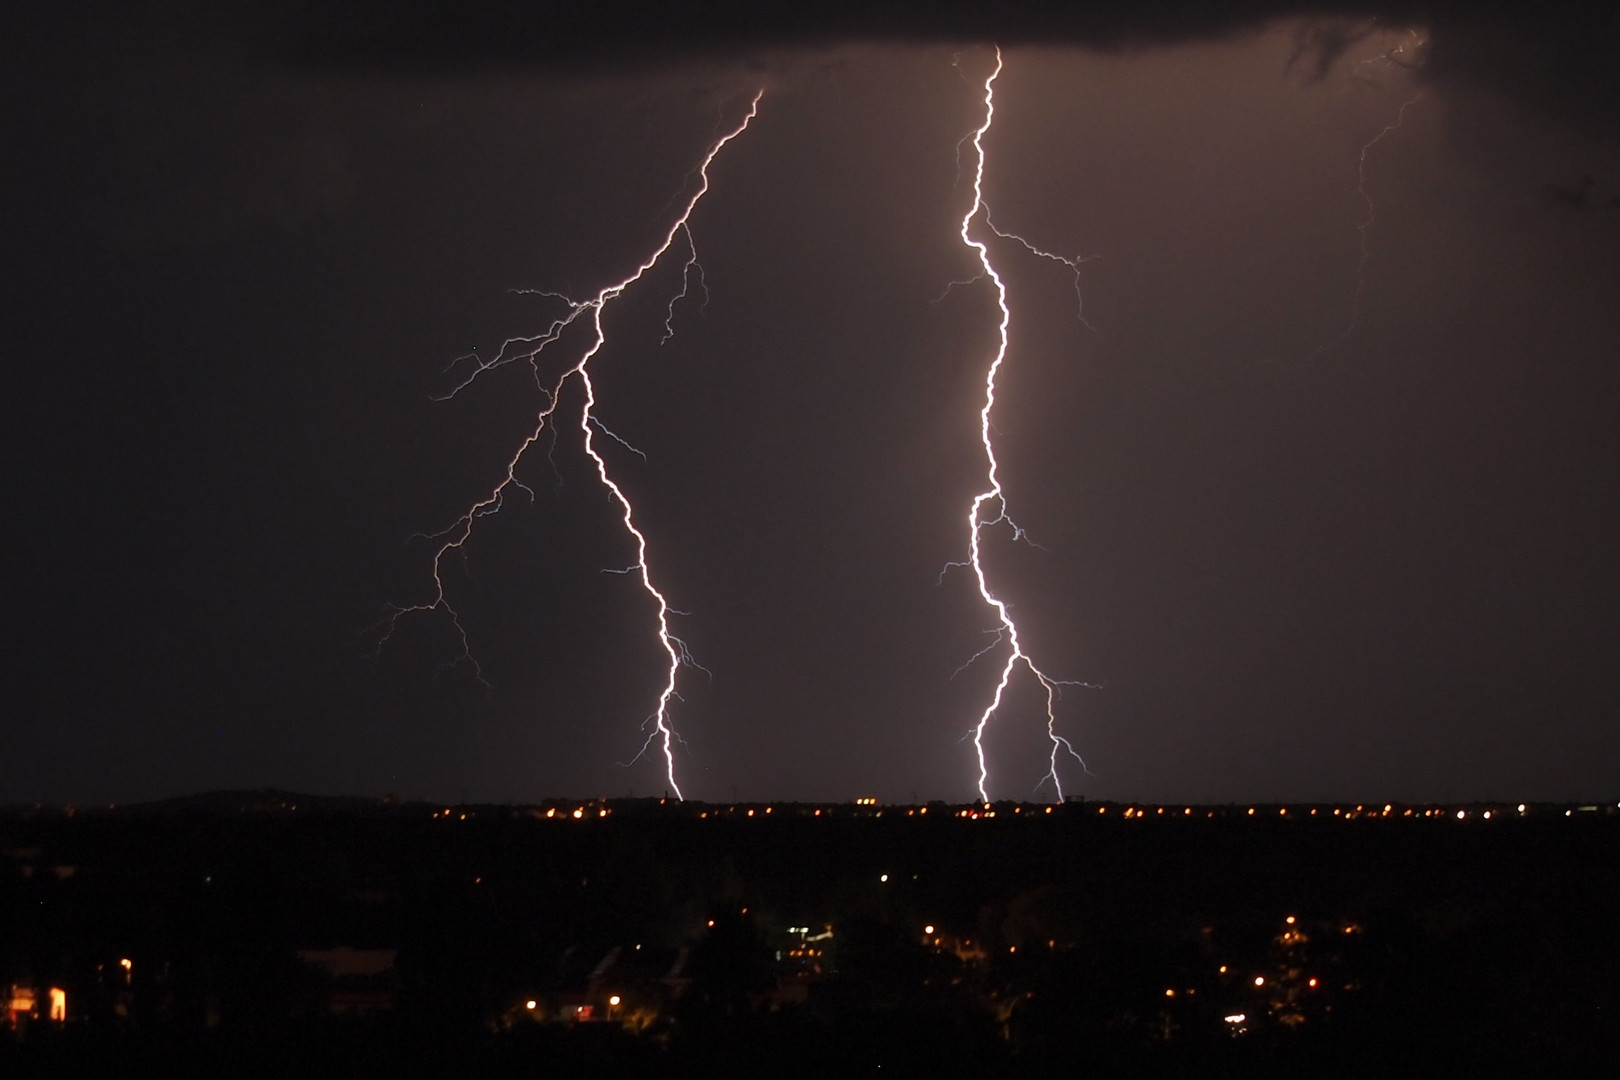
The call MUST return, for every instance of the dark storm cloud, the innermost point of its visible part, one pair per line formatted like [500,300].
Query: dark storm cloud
[1556,58]
[208,122]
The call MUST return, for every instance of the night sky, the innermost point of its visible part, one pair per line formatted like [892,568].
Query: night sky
[1298,562]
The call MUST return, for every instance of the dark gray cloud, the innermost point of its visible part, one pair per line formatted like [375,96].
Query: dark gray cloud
[1557,57]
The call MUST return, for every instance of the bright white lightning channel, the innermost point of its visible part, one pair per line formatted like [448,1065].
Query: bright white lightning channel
[459,532]
[989,507]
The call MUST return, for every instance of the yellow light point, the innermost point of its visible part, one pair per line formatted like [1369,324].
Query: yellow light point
[1251,811]
[993,495]
[1521,808]
[1282,811]
[1388,807]
[614,1000]
[126,964]
[711,923]
[1187,812]
[1311,983]
[750,813]
[1289,920]
[1461,814]
[530,1004]
[551,813]
[929,929]
[456,536]
[1048,809]
[1259,980]
[817,813]
[1169,992]
[1223,969]
[579,814]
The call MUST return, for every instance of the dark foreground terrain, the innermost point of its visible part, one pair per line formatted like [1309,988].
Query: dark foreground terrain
[274,934]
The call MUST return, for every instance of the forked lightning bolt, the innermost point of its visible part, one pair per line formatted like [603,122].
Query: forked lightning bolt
[989,507]
[455,537]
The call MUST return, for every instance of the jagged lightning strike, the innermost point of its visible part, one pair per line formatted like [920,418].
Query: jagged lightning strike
[458,533]
[993,499]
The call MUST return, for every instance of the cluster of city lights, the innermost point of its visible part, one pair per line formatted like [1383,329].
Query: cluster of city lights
[870,807]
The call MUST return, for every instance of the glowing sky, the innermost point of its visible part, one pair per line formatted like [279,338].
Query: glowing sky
[1385,568]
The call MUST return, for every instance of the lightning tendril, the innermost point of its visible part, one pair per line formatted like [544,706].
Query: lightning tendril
[1366,224]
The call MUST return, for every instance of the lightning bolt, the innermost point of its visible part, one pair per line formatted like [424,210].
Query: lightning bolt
[989,507]
[1366,222]
[455,537]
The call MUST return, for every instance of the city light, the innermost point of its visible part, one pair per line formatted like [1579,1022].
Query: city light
[530,1004]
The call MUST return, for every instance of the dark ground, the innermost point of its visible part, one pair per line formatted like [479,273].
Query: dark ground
[1069,942]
